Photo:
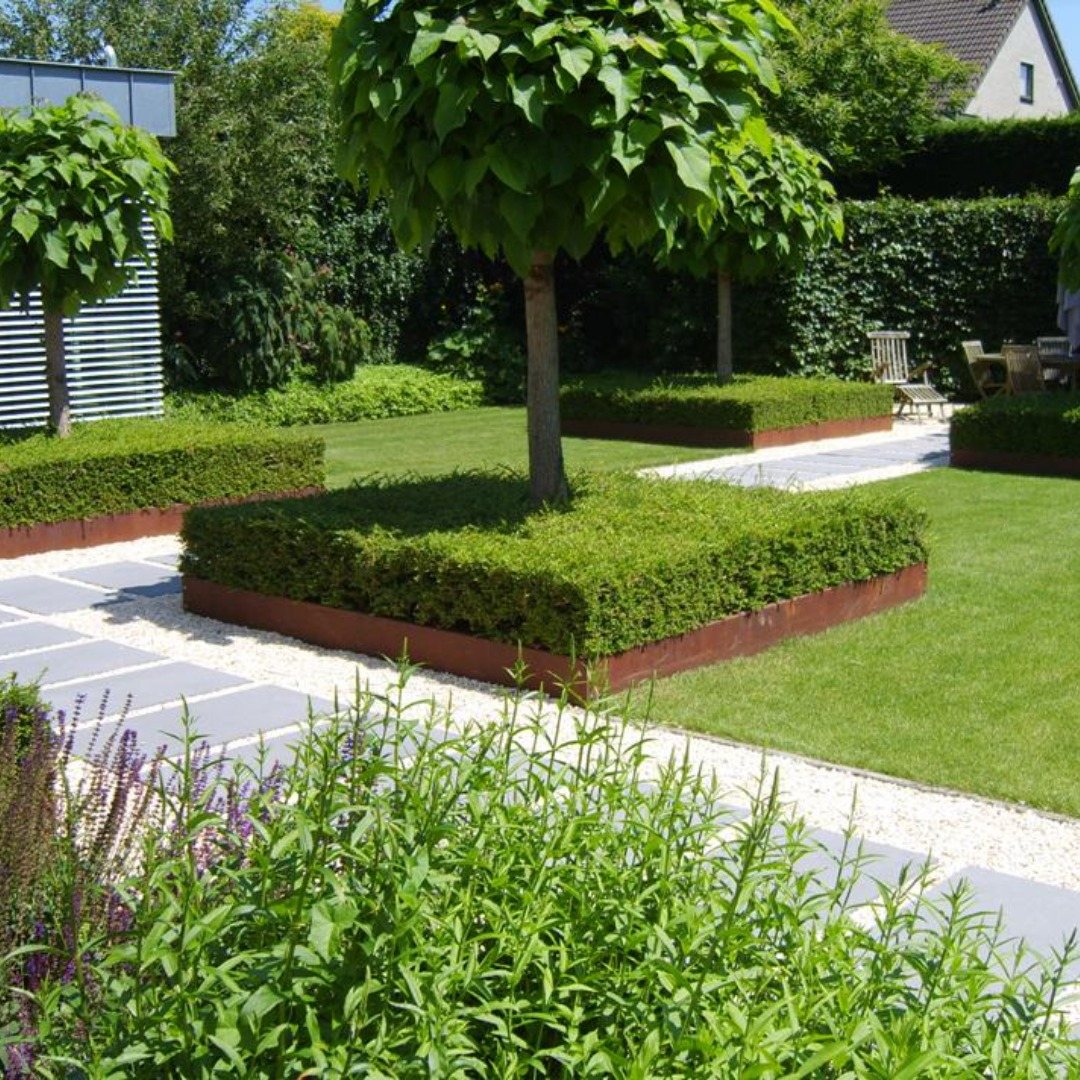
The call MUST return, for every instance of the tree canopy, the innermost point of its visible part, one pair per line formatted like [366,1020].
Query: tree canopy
[75,185]
[544,126]
[854,89]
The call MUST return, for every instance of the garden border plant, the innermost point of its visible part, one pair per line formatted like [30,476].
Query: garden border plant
[523,898]
[121,479]
[696,410]
[631,574]
[1032,433]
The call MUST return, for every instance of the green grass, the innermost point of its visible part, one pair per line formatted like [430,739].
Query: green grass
[470,439]
[974,687]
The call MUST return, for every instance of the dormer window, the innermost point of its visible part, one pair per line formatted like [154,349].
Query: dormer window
[1027,83]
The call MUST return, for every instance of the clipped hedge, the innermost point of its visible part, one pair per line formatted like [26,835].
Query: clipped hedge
[968,159]
[629,561]
[750,403]
[373,393]
[1040,424]
[117,466]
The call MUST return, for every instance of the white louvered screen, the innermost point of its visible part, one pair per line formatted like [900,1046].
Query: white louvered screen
[113,357]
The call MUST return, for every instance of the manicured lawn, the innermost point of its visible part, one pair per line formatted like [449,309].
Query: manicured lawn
[975,687]
[470,439]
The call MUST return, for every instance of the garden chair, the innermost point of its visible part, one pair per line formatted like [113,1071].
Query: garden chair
[1049,349]
[988,370]
[1023,369]
[888,352]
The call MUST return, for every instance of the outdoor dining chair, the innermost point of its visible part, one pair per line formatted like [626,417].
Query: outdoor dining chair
[988,370]
[888,353]
[1051,349]
[1024,372]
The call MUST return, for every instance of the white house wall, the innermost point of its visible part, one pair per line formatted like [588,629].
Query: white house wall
[113,357]
[998,95]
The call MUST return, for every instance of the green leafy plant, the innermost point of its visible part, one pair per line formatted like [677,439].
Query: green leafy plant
[75,186]
[485,347]
[115,466]
[533,900]
[632,560]
[278,323]
[373,393]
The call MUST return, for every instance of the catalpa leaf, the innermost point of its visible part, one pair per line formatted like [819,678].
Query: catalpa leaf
[56,251]
[24,222]
[693,165]
[575,60]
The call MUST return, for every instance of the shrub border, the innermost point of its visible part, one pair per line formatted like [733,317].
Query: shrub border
[686,435]
[18,540]
[1008,461]
[490,661]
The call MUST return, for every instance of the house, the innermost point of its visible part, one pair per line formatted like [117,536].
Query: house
[1021,70]
[114,358]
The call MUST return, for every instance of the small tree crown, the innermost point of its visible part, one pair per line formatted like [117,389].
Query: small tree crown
[75,184]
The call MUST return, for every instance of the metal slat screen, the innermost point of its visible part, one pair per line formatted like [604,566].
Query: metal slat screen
[113,355]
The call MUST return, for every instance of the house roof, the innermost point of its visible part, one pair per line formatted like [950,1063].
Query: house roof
[975,30]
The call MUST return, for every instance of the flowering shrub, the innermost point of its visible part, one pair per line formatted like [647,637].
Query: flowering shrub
[66,831]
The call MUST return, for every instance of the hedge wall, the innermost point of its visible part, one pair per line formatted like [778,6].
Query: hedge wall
[751,403]
[629,561]
[115,466]
[1041,424]
[945,270]
[969,159]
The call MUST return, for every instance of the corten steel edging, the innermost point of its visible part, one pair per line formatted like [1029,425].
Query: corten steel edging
[685,435]
[114,528]
[1004,461]
[491,661]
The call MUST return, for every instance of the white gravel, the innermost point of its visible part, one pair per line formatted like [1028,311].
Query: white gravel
[957,830]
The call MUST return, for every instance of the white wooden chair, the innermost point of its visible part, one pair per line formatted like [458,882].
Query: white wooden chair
[1049,349]
[888,353]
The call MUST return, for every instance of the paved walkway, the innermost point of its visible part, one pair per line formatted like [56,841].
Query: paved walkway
[912,446]
[104,631]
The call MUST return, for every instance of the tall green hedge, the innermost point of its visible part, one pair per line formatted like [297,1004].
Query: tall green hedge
[969,159]
[945,270]
[115,466]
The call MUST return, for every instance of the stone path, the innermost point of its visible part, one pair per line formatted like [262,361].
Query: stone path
[909,448]
[104,632]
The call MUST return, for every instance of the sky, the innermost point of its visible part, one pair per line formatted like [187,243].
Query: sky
[1066,16]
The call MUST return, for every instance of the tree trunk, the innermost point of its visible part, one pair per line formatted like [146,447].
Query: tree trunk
[547,478]
[725,355]
[56,374]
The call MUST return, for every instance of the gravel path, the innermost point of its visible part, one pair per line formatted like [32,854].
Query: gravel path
[958,831]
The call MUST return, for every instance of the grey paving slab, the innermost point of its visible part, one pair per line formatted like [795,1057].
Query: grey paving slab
[878,863]
[1043,915]
[29,634]
[166,558]
[88,658]
[44,596]
[134,578]
[151,686]
[9,617]
[242,714]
